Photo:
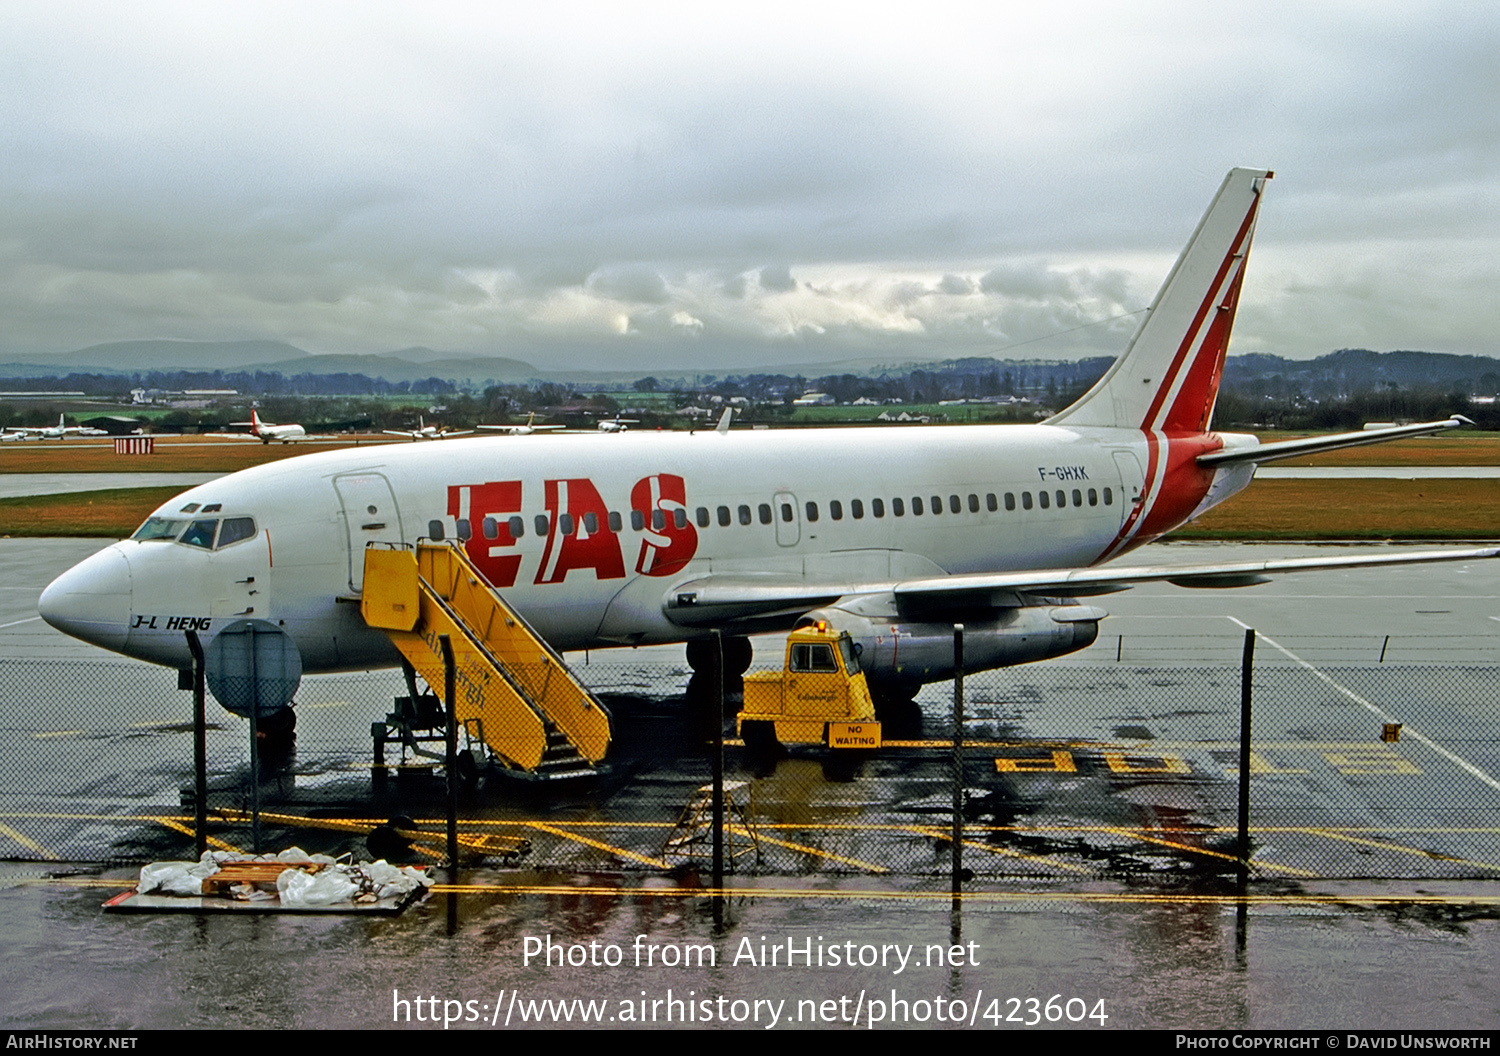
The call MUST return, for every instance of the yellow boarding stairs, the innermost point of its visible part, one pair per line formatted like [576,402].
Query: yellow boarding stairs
[514,691]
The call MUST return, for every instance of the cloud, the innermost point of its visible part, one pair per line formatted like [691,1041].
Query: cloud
[460,176]
[777,279]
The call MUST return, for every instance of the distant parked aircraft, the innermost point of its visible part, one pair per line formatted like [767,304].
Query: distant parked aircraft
[424,431]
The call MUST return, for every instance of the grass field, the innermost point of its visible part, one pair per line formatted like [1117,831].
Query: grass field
[1268,510]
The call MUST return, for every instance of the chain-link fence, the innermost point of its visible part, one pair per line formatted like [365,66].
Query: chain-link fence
[1069,772]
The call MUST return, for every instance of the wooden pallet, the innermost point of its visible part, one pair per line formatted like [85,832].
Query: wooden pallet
[260,875]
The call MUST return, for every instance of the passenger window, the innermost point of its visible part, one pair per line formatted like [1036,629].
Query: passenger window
[877,507]
[490,527]
[745,514]
[614,521]
[201,534]
[897,509]
[658,520]
[565,524]
[1025,500]
[1077,497]
[517,527]
[461,528]
[973,503]
[1044,500]
[937,505]
[1109,497]
[724,516]
[857,509]
[1010,501]
[955,504]
[991,503]
[591,523]
[435,531]
[637,520]
[765,513]
[679,517]
[234,529]
[703,517]
[812,512]
[916,506]
[1062,499]
[836,510]
[541,524]
[787,513]
[1093,497]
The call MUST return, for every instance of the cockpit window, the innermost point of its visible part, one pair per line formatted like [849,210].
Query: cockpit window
[200,533]
[158,528]
[235,529]
[191,507]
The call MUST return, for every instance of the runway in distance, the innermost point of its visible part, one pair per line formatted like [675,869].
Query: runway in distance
[664,537]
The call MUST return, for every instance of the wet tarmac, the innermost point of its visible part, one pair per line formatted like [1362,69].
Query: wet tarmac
[1150,946]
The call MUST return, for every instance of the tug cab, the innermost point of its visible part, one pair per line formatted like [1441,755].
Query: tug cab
[818,697]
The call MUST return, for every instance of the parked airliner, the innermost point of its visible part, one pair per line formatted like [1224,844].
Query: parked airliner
[664,537]
[265,432]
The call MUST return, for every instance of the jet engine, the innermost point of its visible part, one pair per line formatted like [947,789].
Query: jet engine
[902,645]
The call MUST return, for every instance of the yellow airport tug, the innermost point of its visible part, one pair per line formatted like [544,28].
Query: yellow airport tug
[818,697]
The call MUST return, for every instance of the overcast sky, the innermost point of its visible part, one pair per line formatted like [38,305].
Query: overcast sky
[713,186]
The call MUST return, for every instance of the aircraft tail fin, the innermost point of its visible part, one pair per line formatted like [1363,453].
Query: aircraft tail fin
[1167,379]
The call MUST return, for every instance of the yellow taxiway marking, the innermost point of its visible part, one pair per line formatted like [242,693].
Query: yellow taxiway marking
[30,845]
[845,894]
[621,852]
[1258,863]
[1042,860]
[1013,897]
[1418,851]
[804,849]
[177,826]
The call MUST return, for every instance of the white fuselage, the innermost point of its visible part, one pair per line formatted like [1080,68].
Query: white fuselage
[586,537]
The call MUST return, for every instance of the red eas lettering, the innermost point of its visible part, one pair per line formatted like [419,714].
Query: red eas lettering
[588,543]
[487,508]
[670,540]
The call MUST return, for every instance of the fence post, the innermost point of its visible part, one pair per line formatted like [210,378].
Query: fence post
[717,671]
[958,761]
[1247,670]
[451,763]
[200,748]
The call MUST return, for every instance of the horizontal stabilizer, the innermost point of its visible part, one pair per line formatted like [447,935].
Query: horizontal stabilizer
[1313,445]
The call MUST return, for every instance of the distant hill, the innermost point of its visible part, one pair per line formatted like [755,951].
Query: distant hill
[139,357]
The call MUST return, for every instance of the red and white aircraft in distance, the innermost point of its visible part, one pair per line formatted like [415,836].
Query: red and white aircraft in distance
[667,537]
[265,432]
[423,431]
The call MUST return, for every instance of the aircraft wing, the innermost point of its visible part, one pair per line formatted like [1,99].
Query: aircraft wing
[1313,445]
[715,599]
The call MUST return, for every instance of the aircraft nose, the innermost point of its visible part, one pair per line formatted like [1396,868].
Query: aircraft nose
[91,600]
